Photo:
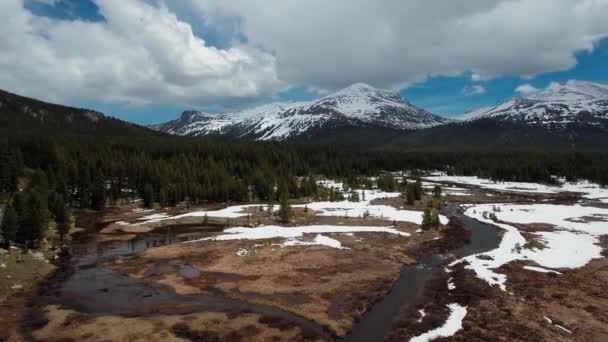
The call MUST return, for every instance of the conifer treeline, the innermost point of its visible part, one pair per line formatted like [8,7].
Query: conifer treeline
[88,172]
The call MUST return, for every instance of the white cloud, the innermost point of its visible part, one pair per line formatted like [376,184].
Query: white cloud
[476,89]
[141,54]
[329,44]
[554,86]
[526,89]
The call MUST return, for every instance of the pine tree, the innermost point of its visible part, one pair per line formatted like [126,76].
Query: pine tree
[98,196]
[410,194]
[285,208]
[418,190]
[435,222]
[148,195]
[10,224]
[427,219]
[63,221]
[36,218]
[437,192]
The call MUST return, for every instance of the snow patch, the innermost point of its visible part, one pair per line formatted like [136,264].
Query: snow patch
[321,240]
[449,328]
[540,269]
[572,245]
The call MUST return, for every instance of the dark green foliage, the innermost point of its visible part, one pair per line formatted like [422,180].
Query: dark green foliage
[437,192]
[11,167]
[410,194]
[284,208]
[35,219]
[22,113]
[417,186]
[10,224]
[148,195]
[386,183]
[427,219]
[63,219]
[430,219]
[308,186]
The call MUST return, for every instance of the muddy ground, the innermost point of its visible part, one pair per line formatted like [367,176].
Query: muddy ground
[571,306]
[329,286]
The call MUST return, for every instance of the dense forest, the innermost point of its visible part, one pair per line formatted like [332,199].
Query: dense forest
[59,172]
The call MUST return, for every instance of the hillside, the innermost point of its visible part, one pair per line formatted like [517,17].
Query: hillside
[19,113]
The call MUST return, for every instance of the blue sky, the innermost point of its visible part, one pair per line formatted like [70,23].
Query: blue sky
[279,75]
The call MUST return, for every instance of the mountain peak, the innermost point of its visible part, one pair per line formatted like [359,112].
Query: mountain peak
[572,90]
[357,106]
[190,114]
[559,105]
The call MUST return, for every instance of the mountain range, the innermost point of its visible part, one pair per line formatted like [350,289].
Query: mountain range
[357,106]
[570,116]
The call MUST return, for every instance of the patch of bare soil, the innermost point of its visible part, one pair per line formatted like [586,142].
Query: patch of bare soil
[454,235]
[537,306]
[329,286]
[67,325]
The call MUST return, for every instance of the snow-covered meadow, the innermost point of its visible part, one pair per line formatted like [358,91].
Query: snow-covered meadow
[343,208]
[589,191]
[571,244]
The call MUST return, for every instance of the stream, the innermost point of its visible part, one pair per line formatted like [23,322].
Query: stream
[89,287]
[376,323]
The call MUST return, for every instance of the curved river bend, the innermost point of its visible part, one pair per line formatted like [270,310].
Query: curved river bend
[376,324]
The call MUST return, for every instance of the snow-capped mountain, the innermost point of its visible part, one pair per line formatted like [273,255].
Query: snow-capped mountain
[359,105]
[559,106]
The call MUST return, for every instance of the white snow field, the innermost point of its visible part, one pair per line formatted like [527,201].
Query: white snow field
[294,235]
[234,211]
[572,244]
[340,209]
[449,328]
[270,232]
[359,209]
[590,191]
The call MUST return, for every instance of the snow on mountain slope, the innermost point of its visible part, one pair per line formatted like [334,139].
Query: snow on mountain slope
[358,105]
[560,105]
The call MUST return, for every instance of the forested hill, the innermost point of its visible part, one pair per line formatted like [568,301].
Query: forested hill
[19,113]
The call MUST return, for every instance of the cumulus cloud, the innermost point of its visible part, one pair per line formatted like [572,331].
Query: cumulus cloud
[144,53]
[526,89]
[329,44]
[140,54]
[476,89]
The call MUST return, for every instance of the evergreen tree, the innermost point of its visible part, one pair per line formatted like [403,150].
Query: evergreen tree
[36,218]
[411,194]
[435,222]
[98,196]
[285,208]
[10,224]
[63,221]
[148,195]
[353,196]
[437,192]
[418,190]
[427,219]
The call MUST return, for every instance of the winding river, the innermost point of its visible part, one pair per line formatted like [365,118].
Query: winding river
[89,287]
[376,323]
